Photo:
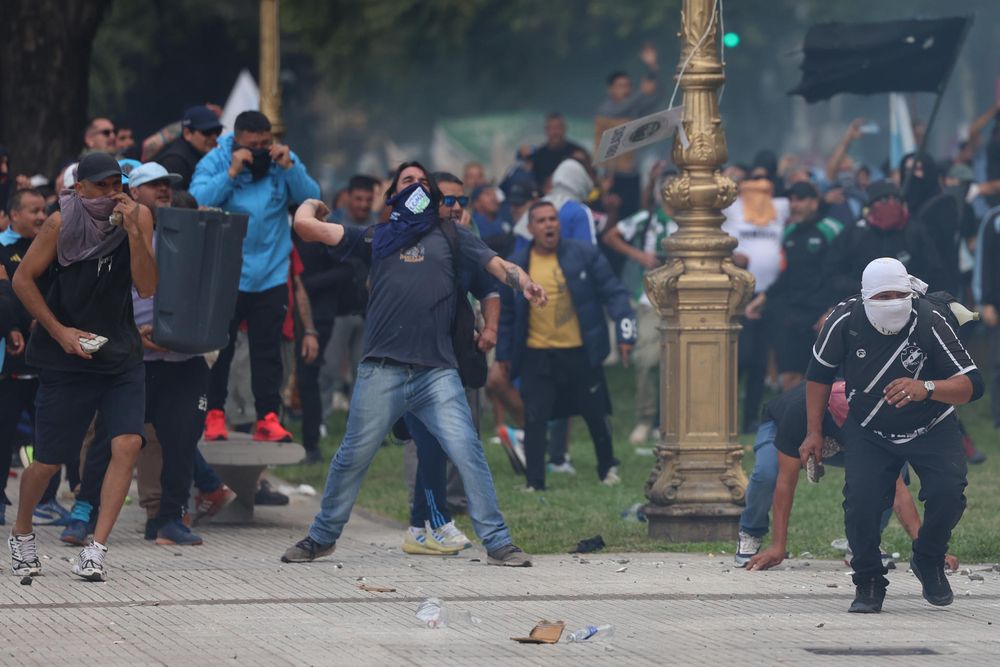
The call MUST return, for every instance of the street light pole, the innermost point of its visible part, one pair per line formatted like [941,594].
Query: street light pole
[270,66]
[697,485]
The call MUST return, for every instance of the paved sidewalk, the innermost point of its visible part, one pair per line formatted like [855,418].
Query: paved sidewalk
[232,602]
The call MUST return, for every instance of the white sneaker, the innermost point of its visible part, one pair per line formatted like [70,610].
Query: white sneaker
[450,536]
[340,402]
[90,564]
[564,467]
[24,555]
[640,434]
[747,548]
[611,478]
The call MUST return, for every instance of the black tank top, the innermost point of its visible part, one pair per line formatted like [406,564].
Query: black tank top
[94,295]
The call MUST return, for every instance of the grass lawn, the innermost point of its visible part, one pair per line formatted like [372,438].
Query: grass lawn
[578,507]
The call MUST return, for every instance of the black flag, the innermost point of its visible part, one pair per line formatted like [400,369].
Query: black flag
[868,58]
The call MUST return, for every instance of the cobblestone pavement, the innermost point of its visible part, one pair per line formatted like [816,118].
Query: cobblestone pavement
[231,601]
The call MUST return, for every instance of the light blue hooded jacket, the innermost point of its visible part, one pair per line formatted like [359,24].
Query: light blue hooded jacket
[268,243]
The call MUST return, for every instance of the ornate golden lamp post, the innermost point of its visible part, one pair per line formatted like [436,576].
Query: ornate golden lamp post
[697,484]
[270,65]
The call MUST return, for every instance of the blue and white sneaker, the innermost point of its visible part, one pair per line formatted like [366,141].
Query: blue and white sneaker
[420,541]
[450,536]
[747,548]
[51,514]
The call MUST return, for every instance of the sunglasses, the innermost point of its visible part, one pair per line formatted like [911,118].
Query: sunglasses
[214,132]
[451,200]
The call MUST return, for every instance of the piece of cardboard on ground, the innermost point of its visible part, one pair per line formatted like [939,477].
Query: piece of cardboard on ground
[544,632]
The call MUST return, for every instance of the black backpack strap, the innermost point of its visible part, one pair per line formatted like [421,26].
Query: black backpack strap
[450,232]
[925,318]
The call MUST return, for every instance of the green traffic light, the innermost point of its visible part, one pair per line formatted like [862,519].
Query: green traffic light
[731,40]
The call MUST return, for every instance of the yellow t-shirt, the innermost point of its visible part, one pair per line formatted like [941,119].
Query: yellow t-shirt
[555,325]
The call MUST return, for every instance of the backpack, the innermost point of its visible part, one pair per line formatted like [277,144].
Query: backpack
[472,366]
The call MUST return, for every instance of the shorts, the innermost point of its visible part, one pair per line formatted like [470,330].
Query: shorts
[66,403]
[794,349]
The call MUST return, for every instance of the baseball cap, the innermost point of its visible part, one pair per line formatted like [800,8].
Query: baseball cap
[883,189]
[97,166]
[201,118]
[127,165]
[803,190]
[149,172]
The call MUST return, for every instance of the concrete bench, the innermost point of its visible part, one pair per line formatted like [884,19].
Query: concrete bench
[240,460]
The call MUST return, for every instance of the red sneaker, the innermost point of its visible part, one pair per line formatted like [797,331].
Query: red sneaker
[269,429]
[208,504]
[215,425]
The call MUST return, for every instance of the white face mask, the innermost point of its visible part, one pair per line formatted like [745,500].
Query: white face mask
[889,317]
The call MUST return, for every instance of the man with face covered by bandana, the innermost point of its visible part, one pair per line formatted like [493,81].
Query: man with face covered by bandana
[409,364]
[885,230]
[905,370]
[248,172]
[86,346]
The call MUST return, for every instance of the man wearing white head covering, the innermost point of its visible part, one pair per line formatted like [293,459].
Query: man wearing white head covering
[571,184]
[905,370]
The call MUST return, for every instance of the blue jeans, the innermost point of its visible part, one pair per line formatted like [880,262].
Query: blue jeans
[760,490]
[382,394]
[206,479]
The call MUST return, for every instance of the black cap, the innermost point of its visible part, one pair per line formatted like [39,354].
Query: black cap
[97,166]
[883,189]
[803,190]
[201,118]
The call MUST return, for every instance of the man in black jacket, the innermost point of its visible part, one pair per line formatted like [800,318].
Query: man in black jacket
[558,352]
[884,231]
[200,130]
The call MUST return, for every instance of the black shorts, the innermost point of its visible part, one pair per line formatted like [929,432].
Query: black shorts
[794,348]
[66,403]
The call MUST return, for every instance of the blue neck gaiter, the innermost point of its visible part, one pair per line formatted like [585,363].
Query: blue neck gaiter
[414,213]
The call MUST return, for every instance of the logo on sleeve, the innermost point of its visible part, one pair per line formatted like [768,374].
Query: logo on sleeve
[861,353]
[912,357]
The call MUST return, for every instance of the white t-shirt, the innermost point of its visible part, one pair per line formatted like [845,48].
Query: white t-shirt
[760,243]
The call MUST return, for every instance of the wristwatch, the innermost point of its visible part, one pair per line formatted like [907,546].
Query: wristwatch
[929,386]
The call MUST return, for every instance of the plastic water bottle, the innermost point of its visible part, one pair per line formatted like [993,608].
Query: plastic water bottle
[432,613]
[592,632]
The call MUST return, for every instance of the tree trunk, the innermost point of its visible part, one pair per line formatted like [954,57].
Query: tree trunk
[45,50]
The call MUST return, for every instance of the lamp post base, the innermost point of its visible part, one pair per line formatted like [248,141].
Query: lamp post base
[693,522]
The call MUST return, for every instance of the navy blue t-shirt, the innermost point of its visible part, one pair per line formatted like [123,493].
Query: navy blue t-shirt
[411,304]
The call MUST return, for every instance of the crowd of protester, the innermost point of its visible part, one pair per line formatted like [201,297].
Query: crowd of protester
[333,302]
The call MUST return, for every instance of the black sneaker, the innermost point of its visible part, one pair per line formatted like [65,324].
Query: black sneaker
[268,496]
[868,598]
[508,556]
[935,584]
[307,550]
